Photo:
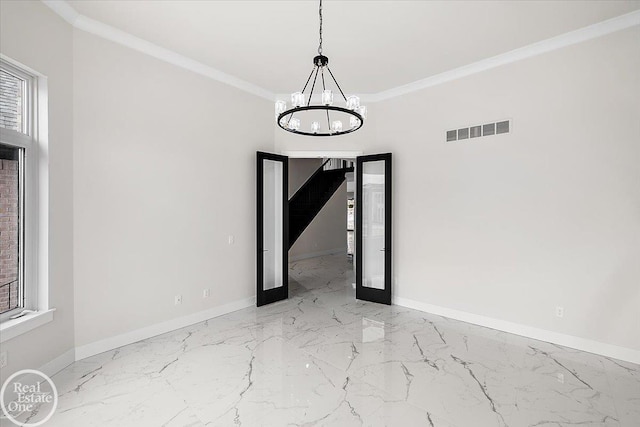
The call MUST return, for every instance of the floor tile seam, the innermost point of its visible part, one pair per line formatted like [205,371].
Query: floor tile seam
[346,374]
[394,400]
[188,406]
[311,355]
[171,387]
[191,408]
[440,417]
[398,400]
[612,390]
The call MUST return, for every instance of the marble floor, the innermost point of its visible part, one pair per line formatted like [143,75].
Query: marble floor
[323,358]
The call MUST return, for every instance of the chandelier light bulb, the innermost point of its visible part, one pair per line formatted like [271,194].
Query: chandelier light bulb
[327,97]
[297,99]
[294,124]
[316,101]
[362,110]
[281,106]
[353,102]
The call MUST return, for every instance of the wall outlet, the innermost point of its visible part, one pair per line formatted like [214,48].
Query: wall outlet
[559,311]
[560,377]
[231,239]
[206,293]
[178,299]
[3,359]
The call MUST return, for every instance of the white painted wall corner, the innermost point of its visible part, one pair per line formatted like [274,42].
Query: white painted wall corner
[59,363]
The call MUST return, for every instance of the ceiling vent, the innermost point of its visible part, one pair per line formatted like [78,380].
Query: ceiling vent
[470,132]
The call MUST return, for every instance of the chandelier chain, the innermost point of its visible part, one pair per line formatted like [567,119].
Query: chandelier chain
[302,103]
[320,13]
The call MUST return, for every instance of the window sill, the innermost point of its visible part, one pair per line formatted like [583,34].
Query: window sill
[12,328]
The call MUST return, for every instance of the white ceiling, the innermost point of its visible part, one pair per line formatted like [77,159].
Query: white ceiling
[372,45]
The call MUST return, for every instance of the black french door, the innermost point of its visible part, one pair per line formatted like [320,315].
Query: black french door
[272,228]
[373,228]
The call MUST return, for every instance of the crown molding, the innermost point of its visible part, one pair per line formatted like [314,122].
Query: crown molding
[313,154]
[63,9]
[573,37]
[69,14]
[317,96]
[123,38]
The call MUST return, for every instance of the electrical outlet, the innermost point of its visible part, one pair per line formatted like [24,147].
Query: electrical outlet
[231,239]
[206,293]
[560,377]
[3,359]
[560,312]
[178,299]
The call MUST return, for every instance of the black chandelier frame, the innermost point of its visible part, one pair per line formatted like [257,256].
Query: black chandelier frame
[320,62]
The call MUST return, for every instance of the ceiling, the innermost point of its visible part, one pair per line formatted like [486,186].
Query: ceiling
[372,45]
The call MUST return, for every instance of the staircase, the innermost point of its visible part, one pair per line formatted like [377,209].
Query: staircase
[309,200]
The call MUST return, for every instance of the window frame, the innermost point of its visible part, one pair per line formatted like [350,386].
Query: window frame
[28,141]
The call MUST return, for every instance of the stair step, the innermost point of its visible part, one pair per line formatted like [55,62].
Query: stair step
[309,200]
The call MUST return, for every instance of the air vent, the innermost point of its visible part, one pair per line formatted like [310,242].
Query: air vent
[489,129]
[502,127]
[479,130]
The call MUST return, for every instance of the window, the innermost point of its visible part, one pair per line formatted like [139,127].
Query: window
[18,191]
[11,242]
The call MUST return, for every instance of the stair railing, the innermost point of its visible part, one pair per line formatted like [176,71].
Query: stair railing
[333,164]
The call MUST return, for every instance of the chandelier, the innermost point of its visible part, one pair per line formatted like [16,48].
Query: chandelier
[323,118]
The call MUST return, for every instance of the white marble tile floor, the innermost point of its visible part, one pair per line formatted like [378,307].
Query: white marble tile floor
[322,358]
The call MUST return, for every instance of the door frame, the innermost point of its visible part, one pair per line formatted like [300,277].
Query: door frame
[271,295]
[318,154]
[382,296]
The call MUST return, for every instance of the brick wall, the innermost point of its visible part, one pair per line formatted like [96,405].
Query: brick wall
[8,234]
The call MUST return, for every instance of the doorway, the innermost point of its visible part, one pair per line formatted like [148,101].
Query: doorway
[369,200]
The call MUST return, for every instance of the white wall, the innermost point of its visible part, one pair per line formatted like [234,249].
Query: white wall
[164,173]
[511,226]
[33,35]
[506,227]
[327,233]
[300,170]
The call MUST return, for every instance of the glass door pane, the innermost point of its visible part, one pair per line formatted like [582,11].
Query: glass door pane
[272,228]
[272,225]
[373,228]
[373,249]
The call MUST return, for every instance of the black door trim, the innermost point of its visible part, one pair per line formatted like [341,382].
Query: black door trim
[276,294]
[382,296]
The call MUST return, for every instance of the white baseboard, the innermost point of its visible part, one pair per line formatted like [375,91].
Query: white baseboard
[609,350]
[112,343]
[59,363]
[317,254]
[108,344]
